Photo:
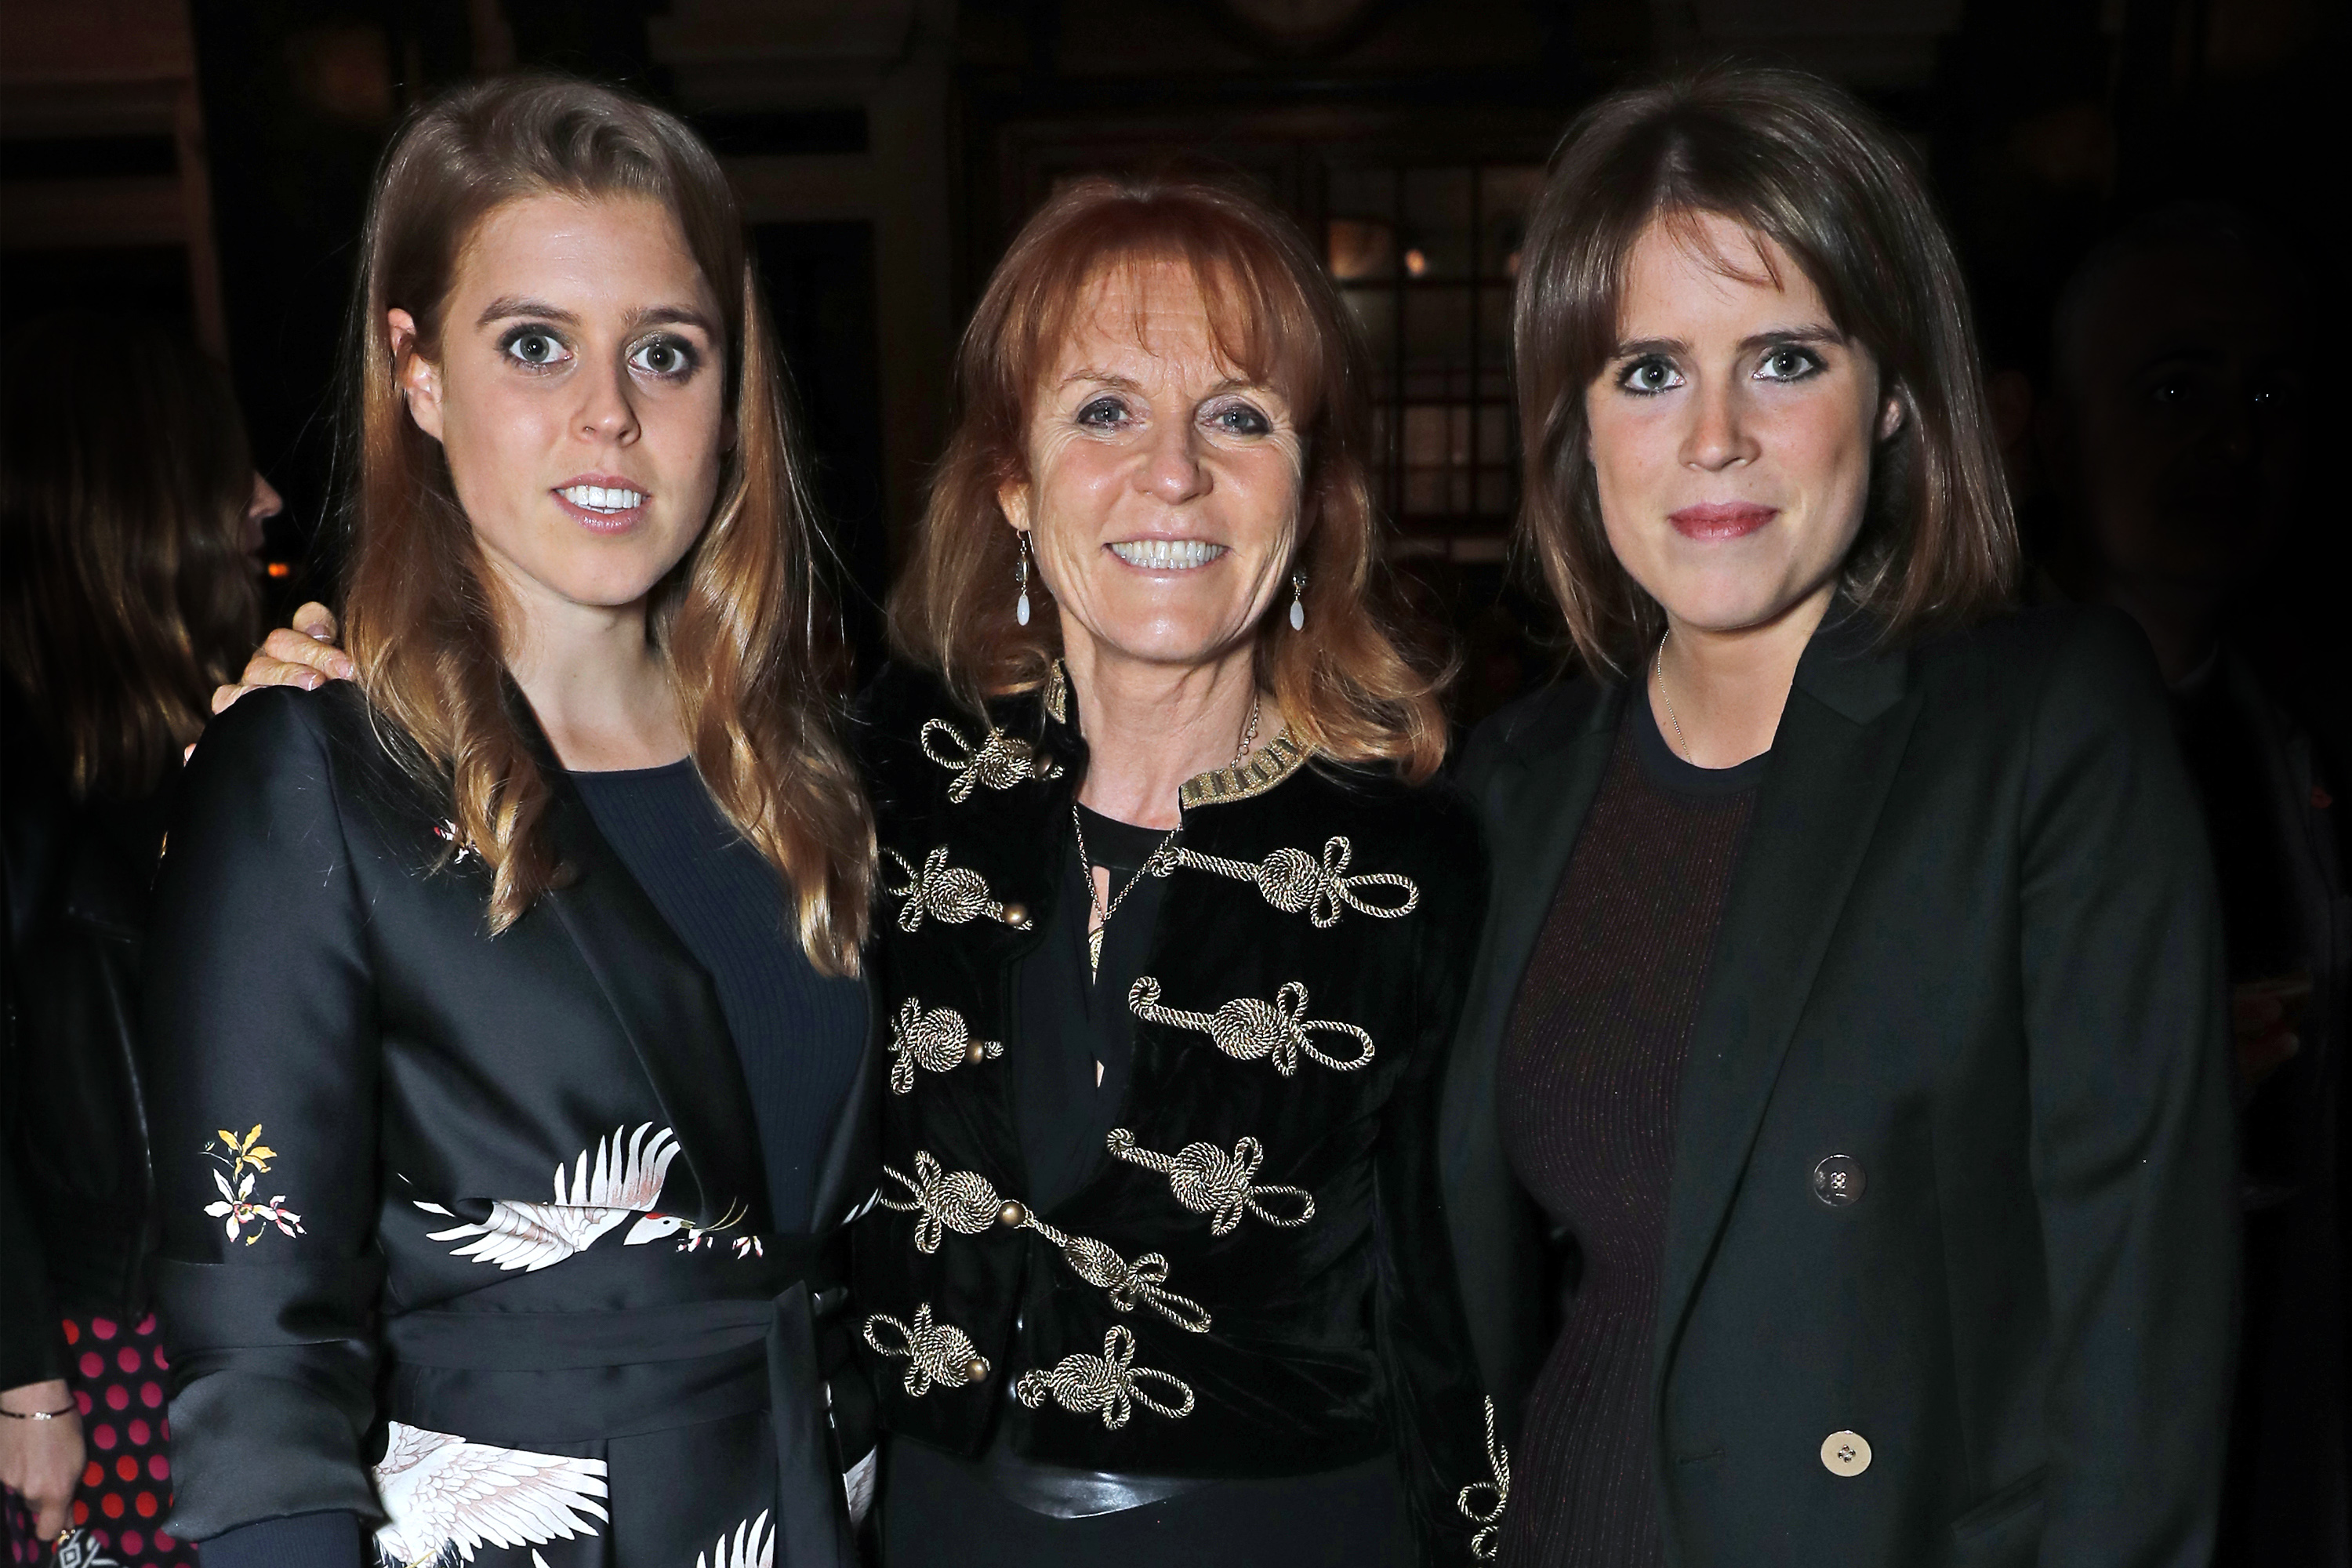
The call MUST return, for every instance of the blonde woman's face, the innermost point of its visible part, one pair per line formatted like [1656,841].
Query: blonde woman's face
[1164,492]
[1732,431]
[579,395]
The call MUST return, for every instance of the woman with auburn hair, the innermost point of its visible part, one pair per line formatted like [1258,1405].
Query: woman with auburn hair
[1852,1001]
[1173,931]
[131,519]
[571,877]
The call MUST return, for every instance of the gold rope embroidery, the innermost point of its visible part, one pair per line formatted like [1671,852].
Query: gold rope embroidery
[1490,1516]
[934,1038]
[1001,762]
[1207,1180]
[968,1203]
[934,1353]
[1246,1028]
[1110,1383]
[1294,881]
[949,894]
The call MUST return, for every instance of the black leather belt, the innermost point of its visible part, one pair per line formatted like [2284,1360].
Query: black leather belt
[1060,1493]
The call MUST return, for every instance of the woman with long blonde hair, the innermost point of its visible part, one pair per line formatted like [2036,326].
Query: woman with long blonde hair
[504,1004]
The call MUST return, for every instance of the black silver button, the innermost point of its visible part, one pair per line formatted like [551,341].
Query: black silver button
[1838,1180]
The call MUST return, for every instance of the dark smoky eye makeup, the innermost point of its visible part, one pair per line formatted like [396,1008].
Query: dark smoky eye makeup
[1647,375]
[1790,362]
[670,357]
[532,344]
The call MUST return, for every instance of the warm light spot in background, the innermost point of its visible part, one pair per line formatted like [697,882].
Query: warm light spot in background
[1415,263]
[279,569]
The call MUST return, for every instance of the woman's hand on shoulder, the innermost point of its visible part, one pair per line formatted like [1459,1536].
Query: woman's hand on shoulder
[305,654]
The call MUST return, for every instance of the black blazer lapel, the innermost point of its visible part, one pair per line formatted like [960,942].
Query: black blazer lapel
[665,1004]
[848,1173]
[1533,801]
[1841,741]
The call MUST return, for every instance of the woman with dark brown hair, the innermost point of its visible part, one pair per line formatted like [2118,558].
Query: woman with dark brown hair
[1178,924]
[129,522]
[571,877]
[1850,998]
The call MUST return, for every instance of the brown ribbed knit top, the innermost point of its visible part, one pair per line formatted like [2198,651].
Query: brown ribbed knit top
[1589,1073]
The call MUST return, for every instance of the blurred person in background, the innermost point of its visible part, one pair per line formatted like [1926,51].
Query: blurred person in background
[131,523]
[2175,443]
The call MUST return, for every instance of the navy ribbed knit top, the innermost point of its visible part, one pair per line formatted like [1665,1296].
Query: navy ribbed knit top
[799,1033]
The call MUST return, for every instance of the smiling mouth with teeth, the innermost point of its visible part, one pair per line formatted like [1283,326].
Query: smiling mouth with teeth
[599,497]
[1167,555]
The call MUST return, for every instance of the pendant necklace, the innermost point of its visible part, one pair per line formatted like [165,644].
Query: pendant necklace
[1154,864]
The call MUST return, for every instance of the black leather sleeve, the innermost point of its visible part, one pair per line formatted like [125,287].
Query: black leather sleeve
[261,1031]
[31,1349]
[2133,1161]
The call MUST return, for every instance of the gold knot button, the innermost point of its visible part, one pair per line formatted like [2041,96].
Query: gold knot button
[975,1052]
[1017,916]
[1845,1454]
[1010,1214]
[976,1370]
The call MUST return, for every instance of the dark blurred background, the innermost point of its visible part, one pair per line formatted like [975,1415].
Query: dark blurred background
[206,160]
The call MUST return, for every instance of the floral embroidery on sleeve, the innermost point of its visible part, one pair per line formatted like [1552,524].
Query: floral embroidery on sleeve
[241,1159]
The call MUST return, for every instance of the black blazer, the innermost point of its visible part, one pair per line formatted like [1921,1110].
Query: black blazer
[420,1182]
[1973,947]
[1305,970]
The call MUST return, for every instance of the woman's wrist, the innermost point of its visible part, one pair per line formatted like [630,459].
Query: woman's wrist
[47,1401]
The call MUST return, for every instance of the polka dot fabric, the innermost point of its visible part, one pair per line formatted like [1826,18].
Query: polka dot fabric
[117,1374]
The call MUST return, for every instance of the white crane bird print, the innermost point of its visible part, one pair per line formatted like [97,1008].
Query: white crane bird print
[620,1176]
[444,1496]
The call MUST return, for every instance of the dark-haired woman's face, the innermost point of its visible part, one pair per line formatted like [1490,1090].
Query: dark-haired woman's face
[580,394]
[1732,431]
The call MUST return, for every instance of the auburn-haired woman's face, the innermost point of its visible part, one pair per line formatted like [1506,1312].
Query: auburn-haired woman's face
[1732,430]
[1163,491]
[580,393]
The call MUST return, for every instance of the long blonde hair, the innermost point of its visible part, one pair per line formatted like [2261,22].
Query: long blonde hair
[753,651]
[1351,686]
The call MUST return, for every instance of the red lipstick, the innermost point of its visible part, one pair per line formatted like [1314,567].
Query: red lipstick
[1721,520]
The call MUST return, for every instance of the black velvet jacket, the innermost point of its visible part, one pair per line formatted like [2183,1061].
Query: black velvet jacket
[1255,1280]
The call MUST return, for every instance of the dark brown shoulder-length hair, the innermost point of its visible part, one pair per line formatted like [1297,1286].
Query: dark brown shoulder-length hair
[126,594]
[1796,160]
[752,649]
[1347,685]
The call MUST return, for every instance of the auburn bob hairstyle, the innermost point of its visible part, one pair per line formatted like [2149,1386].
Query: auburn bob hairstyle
[1348,686]
[755,656]
[1795,160]
[126,594]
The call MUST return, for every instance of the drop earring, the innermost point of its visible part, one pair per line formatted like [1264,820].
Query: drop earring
[1021,606]
[1298,601]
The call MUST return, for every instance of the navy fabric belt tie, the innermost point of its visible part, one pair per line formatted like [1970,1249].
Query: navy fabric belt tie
[773,1339]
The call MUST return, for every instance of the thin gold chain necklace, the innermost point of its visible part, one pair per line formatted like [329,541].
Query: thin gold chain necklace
[1658,672]
[1151,862]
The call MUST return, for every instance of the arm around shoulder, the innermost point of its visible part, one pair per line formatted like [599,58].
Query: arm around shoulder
[261,1041]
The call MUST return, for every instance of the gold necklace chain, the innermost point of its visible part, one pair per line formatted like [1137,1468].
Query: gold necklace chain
[1101,911]
[1658,670]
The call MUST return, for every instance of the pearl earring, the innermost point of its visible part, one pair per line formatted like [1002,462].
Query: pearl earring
[1021,606]
[1298,601]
